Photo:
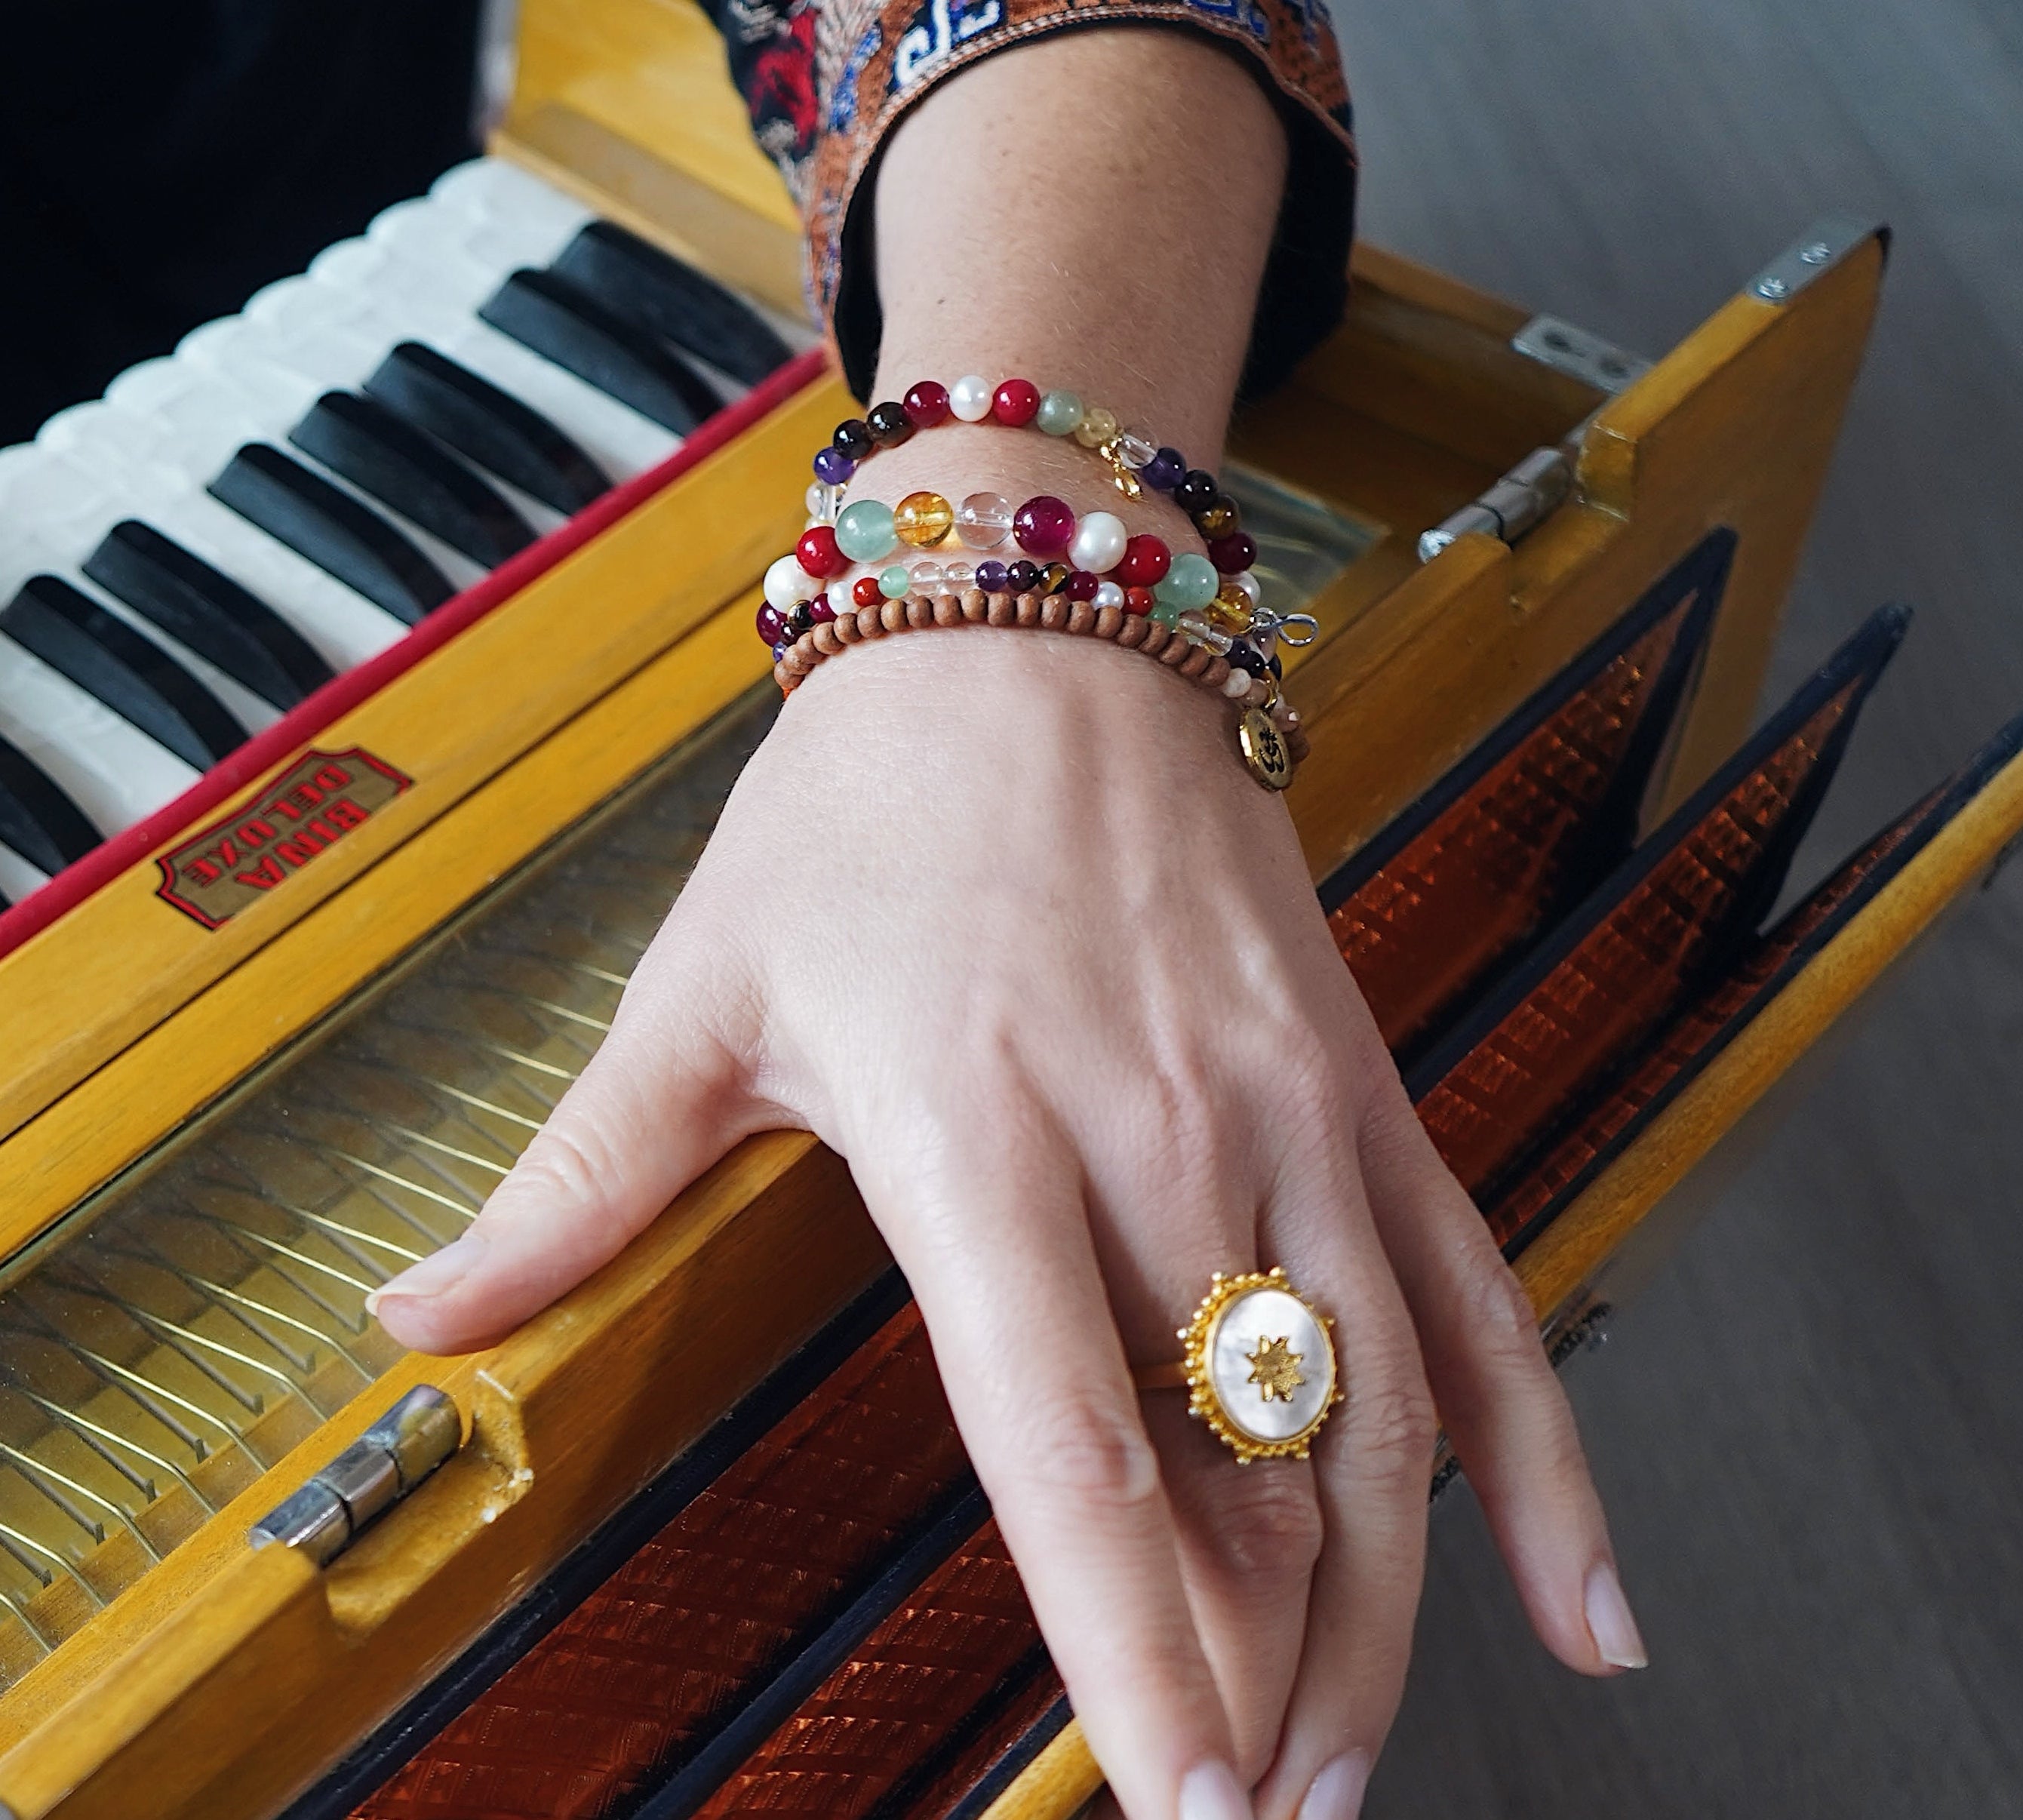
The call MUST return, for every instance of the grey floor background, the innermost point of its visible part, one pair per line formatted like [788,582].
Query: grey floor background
[1810,1429]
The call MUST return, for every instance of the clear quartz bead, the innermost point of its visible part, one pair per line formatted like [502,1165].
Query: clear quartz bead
[928,575]
[824,502]
[1198,631]
[960,575]
[983,520]
[1136,448]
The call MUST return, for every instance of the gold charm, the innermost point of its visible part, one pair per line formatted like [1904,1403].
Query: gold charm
[1264,749]
[1260,1321]
[1127,482]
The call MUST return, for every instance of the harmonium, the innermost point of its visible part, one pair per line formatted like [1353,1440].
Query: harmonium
[372,670]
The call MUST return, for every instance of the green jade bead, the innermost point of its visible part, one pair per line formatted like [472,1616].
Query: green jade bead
[1060,414]
[864,532]
[1189,583]
[895,583]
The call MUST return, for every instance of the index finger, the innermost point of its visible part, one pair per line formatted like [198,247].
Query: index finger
[992,1233]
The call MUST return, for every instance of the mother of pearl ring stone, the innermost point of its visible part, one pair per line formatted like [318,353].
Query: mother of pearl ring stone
[1260,1366]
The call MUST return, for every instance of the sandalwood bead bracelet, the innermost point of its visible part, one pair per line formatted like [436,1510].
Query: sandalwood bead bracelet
[1269,734]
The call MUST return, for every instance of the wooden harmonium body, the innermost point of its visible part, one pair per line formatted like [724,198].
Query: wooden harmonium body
[701,1538]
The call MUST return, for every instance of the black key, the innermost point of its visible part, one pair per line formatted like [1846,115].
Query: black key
[491,427]
[208,612]
[562,322]
[381,455]
[133,676]
[37,820]
[339,535]
[674,300]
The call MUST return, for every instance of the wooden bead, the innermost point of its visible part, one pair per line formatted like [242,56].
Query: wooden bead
[1054,613]
[1109,621]
[1003,612]
[948,610]
[1195,662]
[920,612]
[1175,651]
[1216,674]
[846,629]
[870,621]
[826,642]
[785,677]
[1028,607]
[1131,634]
[893,615]
[1157,633]
[1081,619]
[975,605]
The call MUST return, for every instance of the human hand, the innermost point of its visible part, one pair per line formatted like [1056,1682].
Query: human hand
[1000,917]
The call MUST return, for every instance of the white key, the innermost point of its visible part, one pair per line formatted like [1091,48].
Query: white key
[17,877]
[111,770]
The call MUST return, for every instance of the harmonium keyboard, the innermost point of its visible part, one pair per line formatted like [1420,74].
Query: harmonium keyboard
[370,673]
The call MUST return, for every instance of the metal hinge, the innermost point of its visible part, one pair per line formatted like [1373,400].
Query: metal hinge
[1580,353]
[369,1477]
[1530,491]
[1820,248]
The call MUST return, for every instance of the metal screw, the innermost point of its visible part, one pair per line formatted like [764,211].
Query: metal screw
[1817,253]
[1773,287]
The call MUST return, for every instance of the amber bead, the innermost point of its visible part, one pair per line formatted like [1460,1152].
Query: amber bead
[1218,520]
[1197,491]
[889,423]
[1097,426]
[923,519]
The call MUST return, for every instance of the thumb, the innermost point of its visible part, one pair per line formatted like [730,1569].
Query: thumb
[660,1101]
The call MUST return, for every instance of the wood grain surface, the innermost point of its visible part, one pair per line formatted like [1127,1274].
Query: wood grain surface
[1810,1428]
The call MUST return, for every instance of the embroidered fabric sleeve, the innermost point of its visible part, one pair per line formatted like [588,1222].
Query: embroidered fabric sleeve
[825,80]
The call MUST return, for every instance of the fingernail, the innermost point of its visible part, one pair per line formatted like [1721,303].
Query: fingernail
[1609,1622]
[439,1270]
[1337,1792]
[1210,1791]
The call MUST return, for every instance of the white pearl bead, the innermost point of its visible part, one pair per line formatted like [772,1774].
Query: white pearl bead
[787,584]
[1107,594]
[969,397]
[1098,544]
[1236,684]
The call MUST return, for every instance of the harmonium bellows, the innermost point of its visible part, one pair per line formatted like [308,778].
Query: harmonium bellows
[371,672]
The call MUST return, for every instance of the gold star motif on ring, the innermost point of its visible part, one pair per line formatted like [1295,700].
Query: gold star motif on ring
[1274,1368]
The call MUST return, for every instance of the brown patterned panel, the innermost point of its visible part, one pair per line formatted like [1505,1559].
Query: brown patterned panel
[962,1652]
[1482,877]
[1624,977]
[680,1634]
[1753,981]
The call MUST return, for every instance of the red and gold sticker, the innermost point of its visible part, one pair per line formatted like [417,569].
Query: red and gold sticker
[304,813]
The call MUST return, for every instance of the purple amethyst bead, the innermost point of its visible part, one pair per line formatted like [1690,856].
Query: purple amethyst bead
[781,650]
[991,576]
[772,626]
[833,467]
[1164,471]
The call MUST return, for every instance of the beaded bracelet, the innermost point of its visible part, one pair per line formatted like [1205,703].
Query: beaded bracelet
[1268,732]
[1134,460]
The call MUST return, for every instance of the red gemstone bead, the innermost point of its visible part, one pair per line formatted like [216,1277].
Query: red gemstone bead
[819,610]
[1016,402]
[1082,586]
[1044,526]
[926,404]
[1145,561]
[864,591]
[1137,600]
[818,554]
[1236,552]
[772,624]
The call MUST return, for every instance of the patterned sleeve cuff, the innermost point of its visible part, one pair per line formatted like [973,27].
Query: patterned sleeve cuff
[826,79]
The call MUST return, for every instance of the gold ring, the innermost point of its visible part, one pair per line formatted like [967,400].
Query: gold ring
[1259,1368]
